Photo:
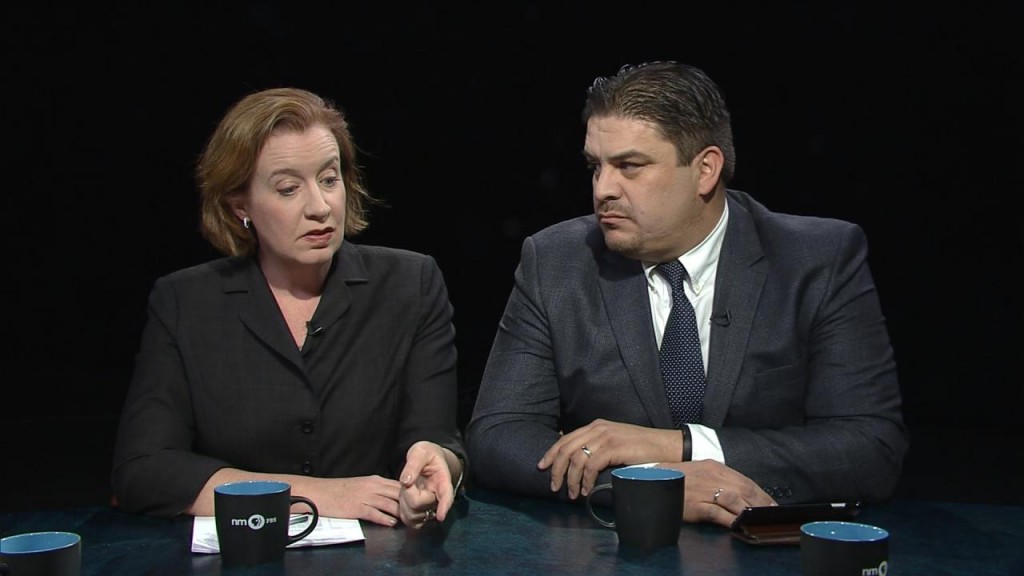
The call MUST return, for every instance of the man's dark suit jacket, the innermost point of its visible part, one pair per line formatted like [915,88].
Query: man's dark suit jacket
[801,382]
[219,381]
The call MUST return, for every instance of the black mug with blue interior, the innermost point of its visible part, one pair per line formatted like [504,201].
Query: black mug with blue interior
[41,554]
[647,504]
[252,519]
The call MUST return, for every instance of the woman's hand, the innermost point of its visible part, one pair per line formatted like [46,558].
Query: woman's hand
[426,484]
[370,498]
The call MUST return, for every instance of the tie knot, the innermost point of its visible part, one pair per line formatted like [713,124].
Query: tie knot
[674,272]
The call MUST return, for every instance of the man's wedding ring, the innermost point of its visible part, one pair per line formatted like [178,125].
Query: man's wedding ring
[430,515]
[717,494]
[586,451]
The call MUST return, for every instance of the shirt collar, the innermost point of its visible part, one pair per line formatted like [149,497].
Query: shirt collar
[702,259]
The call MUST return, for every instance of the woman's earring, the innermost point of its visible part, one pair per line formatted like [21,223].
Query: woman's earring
[246,222]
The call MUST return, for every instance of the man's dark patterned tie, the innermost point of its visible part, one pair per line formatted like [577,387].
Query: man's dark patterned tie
[682,368]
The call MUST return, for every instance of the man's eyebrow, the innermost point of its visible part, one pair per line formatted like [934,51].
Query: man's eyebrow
[631,154]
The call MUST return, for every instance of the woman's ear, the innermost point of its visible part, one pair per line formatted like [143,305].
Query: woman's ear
[237,205]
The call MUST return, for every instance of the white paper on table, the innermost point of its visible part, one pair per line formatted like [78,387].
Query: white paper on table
[328,531]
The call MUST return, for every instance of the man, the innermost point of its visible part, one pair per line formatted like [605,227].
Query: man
[792,388]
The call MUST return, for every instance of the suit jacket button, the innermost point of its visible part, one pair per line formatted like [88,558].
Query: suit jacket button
[307,427]
[307,467]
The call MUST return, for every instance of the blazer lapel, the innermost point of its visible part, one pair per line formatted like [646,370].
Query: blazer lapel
[258,311]
[624,290]
[348,268]
[738,284]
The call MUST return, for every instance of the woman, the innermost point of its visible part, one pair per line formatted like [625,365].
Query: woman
[299,356]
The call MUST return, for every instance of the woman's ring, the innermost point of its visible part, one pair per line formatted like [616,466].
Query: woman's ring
[587,451]
[717,494]
[430,515]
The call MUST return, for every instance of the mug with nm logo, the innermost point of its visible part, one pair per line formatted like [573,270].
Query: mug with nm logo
[252,520]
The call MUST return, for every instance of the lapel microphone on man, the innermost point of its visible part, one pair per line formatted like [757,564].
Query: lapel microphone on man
[722,320]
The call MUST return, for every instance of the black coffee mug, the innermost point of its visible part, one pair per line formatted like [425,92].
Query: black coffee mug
[648,505]
[836,548]
[252,519]
[41,554]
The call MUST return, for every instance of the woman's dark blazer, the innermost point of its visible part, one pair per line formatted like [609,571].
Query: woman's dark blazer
[219,381]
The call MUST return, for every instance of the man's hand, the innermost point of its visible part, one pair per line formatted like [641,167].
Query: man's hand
[577,457]
[716,493]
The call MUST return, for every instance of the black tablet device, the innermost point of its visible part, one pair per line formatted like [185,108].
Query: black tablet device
[781,524]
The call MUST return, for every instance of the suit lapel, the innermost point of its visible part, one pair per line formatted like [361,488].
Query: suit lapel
[624,290]
[738,284]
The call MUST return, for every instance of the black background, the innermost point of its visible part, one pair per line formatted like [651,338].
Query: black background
[905,120]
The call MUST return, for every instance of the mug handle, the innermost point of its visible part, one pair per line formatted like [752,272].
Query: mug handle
[312,523]
[598,519]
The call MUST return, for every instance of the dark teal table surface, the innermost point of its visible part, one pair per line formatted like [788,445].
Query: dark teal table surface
[498,534]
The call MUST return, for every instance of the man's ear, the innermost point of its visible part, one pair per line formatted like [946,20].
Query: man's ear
[709,163]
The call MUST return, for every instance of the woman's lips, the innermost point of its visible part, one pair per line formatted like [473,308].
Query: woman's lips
[319,237]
